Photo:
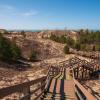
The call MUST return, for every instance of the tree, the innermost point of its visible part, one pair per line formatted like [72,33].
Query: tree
[53,37]
[23,33]
[87,31]
[66,49]
[5,50]
[16,52]
[8,51]
[70,41]
[63,39]
[93,48]
[81,31]
[97,36]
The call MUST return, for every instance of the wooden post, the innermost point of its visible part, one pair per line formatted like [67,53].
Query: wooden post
[75,72]
[42,82]
[83,72]
[86,73]
[89,74]
[26,92]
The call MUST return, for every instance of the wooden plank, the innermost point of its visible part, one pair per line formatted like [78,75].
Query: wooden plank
[88,95]
[52,85]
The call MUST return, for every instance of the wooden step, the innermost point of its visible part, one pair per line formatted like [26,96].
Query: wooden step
[61,87]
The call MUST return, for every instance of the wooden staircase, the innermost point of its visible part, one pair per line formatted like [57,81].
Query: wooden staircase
[61,87]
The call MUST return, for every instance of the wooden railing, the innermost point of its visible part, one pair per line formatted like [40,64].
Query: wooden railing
[90,54]
[82,93]
[24,88]
[53,71]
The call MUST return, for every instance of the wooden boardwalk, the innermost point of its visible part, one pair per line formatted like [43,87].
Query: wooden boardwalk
[60,83]
[61,87]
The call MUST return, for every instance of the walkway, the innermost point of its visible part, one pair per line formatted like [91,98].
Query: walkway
[61,87]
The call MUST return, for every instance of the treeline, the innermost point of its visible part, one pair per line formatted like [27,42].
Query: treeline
[86,41]
[62,39]
[8,50]
[89,37]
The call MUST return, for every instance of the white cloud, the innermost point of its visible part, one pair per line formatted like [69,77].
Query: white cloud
[30,13]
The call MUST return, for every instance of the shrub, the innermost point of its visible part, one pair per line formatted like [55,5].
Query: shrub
[66,49]
[33,56]
[77,46]
[63,39]
[70,41]
[83,47]
[97,47]
[8,51]
[88,48]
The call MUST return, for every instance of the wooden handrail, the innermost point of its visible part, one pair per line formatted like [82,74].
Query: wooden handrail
[87,95]
[32,92]
[20,87]
[94,55]
[24,86]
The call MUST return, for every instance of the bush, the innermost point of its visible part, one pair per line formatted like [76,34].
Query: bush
[97,47]
[16,52]
[69,41]
[77,46]
[66,49]
[83,47]
[63,39]
[33,56]
[60,39]
[89,48]
[86,47]
[54,38]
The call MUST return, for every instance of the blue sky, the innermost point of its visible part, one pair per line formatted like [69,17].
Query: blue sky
[49,14]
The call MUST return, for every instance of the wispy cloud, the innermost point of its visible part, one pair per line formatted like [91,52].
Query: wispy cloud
[30,13]
[6,8]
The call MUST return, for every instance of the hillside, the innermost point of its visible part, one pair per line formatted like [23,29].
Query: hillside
[45,48]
